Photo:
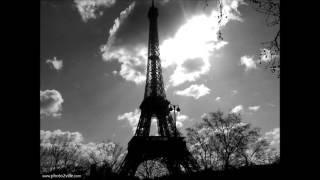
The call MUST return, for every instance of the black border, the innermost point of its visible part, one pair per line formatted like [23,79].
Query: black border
[21,82]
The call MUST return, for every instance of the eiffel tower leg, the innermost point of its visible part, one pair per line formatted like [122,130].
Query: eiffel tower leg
[163,129]
[130,164]
[143,128]
[160,128]
[146,131]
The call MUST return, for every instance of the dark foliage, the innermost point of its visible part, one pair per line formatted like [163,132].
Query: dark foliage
[248,172]
[224,147]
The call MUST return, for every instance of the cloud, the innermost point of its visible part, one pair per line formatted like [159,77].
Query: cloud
[189,55]
[254,108]
[237,109]
[71,140]
[266,55]
[273,136]
[181,118]
[55,63]
[59,137]
[50,103]
[234,92]
[196,91]
[248,62]
[230,10]
[185,49]
[192,65]
[132,59]
[116,25]
[88,9]
[218,98]
[132,118]
[133,63]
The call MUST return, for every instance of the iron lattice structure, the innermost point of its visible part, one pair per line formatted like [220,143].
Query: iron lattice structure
[154,103]
[169,147]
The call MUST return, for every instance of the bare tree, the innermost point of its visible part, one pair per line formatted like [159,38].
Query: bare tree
[199,145]
[270,54]
[271,8]
[61,157]
[106,153]
[224,141]
[272,156]
[230,135]
[257,153]
[151,169]
[105,158]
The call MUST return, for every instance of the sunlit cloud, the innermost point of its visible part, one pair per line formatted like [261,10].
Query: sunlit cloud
[132,118]
[273,136]
[248,62]
[114,72]
[181,118]
[88,9]
[50,103]
[196,91]
[254,108]
[218,98]
[105,49]
[230,10]
[58,136]
[184,48]
[132,59]
[237,109]
[55,63]
[133,63]
[187,53]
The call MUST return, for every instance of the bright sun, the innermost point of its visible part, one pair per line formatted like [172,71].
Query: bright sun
[197,38]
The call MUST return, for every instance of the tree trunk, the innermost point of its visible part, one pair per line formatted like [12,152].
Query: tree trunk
[226,163]
[247,161]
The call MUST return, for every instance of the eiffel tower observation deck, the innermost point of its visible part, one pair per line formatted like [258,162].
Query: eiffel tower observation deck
[169,147]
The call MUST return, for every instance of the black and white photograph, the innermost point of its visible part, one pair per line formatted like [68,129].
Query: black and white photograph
[159,89]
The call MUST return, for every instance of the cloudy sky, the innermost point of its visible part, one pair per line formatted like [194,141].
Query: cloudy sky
[93,63]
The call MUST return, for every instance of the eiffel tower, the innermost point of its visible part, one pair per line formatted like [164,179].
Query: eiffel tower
[169,147]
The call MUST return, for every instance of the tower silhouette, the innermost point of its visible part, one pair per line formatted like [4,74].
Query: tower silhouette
[169,147]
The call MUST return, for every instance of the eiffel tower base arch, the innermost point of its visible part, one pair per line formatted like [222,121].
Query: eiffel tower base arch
[172,151]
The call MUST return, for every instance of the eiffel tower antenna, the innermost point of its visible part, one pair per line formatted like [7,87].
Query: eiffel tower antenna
[169,147]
